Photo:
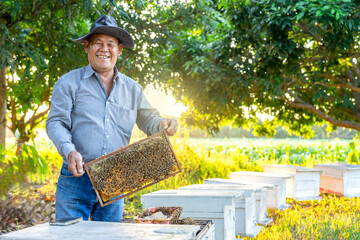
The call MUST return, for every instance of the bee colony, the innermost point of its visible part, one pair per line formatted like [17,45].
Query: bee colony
[132,168]
[159,215]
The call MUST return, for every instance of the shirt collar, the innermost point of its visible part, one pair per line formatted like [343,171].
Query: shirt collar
[118,76]
[89,71]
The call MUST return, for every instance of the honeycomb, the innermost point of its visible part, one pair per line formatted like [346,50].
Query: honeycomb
[172,214]
[133,167]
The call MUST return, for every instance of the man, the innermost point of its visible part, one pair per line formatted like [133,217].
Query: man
[93,112]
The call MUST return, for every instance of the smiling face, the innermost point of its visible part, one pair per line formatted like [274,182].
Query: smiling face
[103,51]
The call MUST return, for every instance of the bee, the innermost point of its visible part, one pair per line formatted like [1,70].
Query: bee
[133,167]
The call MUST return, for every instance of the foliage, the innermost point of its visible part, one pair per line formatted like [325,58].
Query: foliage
[294,60]
[15,170]
[330,218]
[36,49]
[151,24]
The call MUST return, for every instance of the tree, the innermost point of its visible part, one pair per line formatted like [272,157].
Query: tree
[36,46]
[297,61]
[36,49]
[153,25]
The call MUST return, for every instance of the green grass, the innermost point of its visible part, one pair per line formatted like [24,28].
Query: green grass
[330,218]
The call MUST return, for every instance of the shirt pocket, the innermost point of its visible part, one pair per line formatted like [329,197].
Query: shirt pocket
[126,119]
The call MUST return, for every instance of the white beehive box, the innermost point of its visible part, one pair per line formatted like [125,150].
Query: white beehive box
[261,195]
[207,233]
[306,181]
[277,196]
[245,209]
[94,230]
[219,207]
[340,178]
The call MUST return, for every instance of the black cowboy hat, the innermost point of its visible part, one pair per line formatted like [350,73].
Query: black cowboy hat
[107,25]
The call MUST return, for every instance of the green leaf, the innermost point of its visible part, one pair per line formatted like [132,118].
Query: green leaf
[300,15]
[16,9]
[103,2]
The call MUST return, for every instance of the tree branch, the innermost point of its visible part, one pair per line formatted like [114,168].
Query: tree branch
[355,89]
[299,103]
[335,78]
[32,120]
[12,105]
[355,68]
[307,30]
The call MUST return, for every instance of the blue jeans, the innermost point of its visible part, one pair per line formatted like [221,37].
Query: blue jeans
[75,197]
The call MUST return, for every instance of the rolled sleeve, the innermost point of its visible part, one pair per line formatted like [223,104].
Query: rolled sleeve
[67,148]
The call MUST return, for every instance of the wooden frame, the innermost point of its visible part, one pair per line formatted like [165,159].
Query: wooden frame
[125,194]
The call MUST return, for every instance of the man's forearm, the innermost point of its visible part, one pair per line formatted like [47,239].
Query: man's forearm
[61,137]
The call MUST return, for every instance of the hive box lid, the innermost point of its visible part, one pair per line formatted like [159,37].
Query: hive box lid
[220,187]
[273,178]
[242,183]
[190,200]
[262,174]
[189,193]
[94,230]
[291,168]
[337,169]
[343,166]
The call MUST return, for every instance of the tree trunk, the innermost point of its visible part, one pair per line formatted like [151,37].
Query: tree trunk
[2,105]
[19,144]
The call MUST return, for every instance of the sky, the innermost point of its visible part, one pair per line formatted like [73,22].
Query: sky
[166,104]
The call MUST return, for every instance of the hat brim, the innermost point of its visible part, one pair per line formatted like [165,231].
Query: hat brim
[116,32]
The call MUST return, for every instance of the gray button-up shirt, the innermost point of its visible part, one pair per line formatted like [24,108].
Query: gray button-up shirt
[84,118]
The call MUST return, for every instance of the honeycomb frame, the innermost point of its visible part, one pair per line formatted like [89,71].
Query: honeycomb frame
[102,176]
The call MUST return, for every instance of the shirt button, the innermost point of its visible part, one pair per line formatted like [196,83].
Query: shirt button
[107,119]
[107,136]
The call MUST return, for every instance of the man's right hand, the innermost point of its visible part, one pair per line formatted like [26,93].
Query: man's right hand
[75,164]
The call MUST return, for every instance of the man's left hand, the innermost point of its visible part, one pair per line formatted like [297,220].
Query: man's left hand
[169,125]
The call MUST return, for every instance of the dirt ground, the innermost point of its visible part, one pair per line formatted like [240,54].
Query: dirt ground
[18,211]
